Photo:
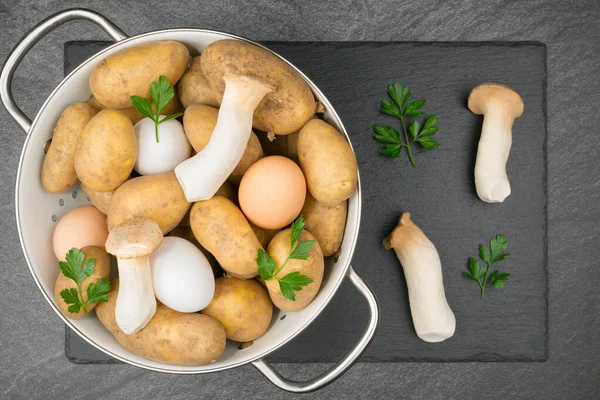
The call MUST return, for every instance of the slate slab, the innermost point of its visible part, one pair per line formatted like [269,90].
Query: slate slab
[511,324]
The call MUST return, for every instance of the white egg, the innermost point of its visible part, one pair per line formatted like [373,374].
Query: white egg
[182,277]
[163,156]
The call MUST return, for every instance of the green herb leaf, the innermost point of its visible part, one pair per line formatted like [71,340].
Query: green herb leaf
[301,252]
[296,230]
[498,284]
[169,117]
[144,106]
[391,150]
[482,275]
[161,92]
[292,283]
[389,108]
[266,265]
[474,268]
[399,94]
[430,122]
[484,254]
[469,276]
[71,297]
[413,108]
[498,244]
[427,143]
[98,292]
[386,134]
[75,260]
[414,128]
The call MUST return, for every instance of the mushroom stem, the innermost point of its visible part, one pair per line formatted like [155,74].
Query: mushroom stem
[493,150]
[202,175]
[432,317]
[135,303]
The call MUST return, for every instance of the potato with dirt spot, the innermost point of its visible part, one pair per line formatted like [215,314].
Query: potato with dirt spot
[106,151]
[223,230]
[328,163]
[243,307]
[326,223]
[129,72]
[313,268]
[282,112]
[101,271]
[193,87]
[157,197]
[58,168]
[170,337]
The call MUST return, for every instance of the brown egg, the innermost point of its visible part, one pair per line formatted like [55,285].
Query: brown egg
[272,192]
[80,227]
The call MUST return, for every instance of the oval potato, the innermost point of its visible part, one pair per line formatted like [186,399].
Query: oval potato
[170,336]
[328,163]
[101,271]
[106,151]
[222,229]
[157,197]
[282,112]
[326,223]
[101,200]
[243,307]
[313,267]
[193,87]
[199,122]
[225,190]
[58,168]
[129,72]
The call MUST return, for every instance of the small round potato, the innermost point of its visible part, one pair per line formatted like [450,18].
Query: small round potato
[101,271]
[326,223]
[313,267]
[243,307]
[157,197]
[222,229]
[130,72]
[106,151]
[170,337]
[58,169]
[328,163]
[199,122]
[283,111]
[193,87]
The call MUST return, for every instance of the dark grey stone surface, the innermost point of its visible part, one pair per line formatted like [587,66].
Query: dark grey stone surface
[32,361]
[439,193]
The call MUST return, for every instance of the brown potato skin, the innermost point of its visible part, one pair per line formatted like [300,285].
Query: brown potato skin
[106,151]
[199,122]
[185,232]
[58,168]
[326,223]
[243,307]
[222,229]
[172,107]
[313,267]
[264,236]
[193,87]
[130,72]
[101,271]
[225,190]
[101,200]
[282,112]
[170,337]
[328,163]
[157,197]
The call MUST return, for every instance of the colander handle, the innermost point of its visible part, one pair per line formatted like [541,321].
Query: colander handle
[340,368]
[30,39]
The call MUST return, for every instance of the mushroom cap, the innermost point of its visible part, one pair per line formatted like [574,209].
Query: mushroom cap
[495,95]
[134,238]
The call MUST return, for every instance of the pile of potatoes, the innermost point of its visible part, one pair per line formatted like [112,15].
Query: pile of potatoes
[95,143]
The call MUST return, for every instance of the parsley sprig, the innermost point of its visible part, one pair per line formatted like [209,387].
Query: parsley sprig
[482,276]
[401,107]
[293,281]
[162,92]
[75,269]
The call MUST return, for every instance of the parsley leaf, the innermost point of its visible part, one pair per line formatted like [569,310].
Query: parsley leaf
[161,92]
[402,108]
[494,254]
[293,281]
[78,269]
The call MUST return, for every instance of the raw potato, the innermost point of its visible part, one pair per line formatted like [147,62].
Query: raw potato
[313,267]
[243,307]
[101,200]
[172,107]
[222,229]
[185,232]
[193,87]
[328,163]
[264,236]
[282,112]
[58,169]
[225,190]
[157,197]
[101,271]
[199,122]
[130,72]
[170,336]
[106,151]
[326,223]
